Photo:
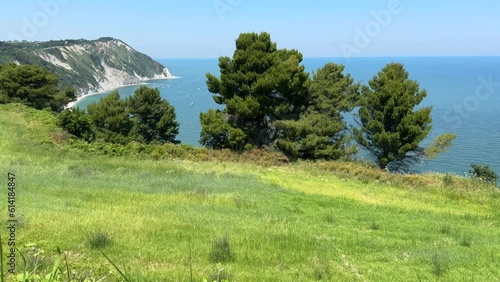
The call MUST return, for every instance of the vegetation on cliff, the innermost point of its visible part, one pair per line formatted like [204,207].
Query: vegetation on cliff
[85,65]
[34,86]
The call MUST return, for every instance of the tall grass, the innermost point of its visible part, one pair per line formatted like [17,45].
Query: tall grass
[302,221]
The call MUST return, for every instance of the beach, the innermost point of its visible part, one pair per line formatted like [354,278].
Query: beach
[109,89]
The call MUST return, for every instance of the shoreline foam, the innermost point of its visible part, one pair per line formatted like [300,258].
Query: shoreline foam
[144,82]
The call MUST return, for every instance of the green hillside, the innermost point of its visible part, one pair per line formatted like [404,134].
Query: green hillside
[82,63]
[161,218]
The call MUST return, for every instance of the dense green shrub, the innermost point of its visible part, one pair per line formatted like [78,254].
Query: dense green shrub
[78,123]
[99,240]
[221,251]
[484,173]
[447,180]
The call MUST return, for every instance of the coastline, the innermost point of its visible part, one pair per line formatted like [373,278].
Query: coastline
[144,82]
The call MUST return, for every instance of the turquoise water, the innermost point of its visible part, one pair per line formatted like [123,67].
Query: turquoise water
[463,91]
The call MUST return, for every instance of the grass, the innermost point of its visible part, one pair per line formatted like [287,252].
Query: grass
[163,218]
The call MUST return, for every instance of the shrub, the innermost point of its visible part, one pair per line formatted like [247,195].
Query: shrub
[375,226]
[99,240]
[447,180]
[440,263]
[445,229]
[329,218]
[484,173]
[221,251]
[466,240]
[77,122]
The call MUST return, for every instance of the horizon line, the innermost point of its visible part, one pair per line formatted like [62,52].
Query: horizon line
[353,57]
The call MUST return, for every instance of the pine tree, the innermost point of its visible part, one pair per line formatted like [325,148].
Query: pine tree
[259,85]
[111,119]
[33,86]
[155,117]
[321,131]
[391,126]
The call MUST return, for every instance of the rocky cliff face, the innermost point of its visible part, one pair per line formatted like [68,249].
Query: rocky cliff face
[89,66]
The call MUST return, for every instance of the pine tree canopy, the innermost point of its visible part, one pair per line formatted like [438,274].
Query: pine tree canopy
[392,126]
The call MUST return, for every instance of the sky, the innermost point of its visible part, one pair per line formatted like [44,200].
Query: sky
[320,28]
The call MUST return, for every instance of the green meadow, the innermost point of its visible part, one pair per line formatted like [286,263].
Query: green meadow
[173,218]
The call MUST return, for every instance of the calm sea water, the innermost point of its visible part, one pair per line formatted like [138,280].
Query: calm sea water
[463,91]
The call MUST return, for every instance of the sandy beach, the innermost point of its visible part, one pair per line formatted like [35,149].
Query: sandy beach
[144,82]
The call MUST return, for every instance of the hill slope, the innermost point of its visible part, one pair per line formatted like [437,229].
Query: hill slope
[88,65]
[293,222]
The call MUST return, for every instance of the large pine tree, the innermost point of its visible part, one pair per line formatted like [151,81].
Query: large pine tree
[259,85]
[391,125]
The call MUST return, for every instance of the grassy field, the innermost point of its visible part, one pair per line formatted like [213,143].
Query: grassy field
[175,219]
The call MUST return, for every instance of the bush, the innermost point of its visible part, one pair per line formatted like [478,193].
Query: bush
[440,263]
[447,180]
[77,122]
[99,240]
[445,229]
[375,226]
[221,251]
[466,240]
[484,173]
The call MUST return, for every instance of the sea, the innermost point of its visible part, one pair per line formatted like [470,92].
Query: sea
[464,93]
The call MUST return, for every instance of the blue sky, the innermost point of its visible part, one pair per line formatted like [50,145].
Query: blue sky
[321,28]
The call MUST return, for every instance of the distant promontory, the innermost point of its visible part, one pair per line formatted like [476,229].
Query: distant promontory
[89,66]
